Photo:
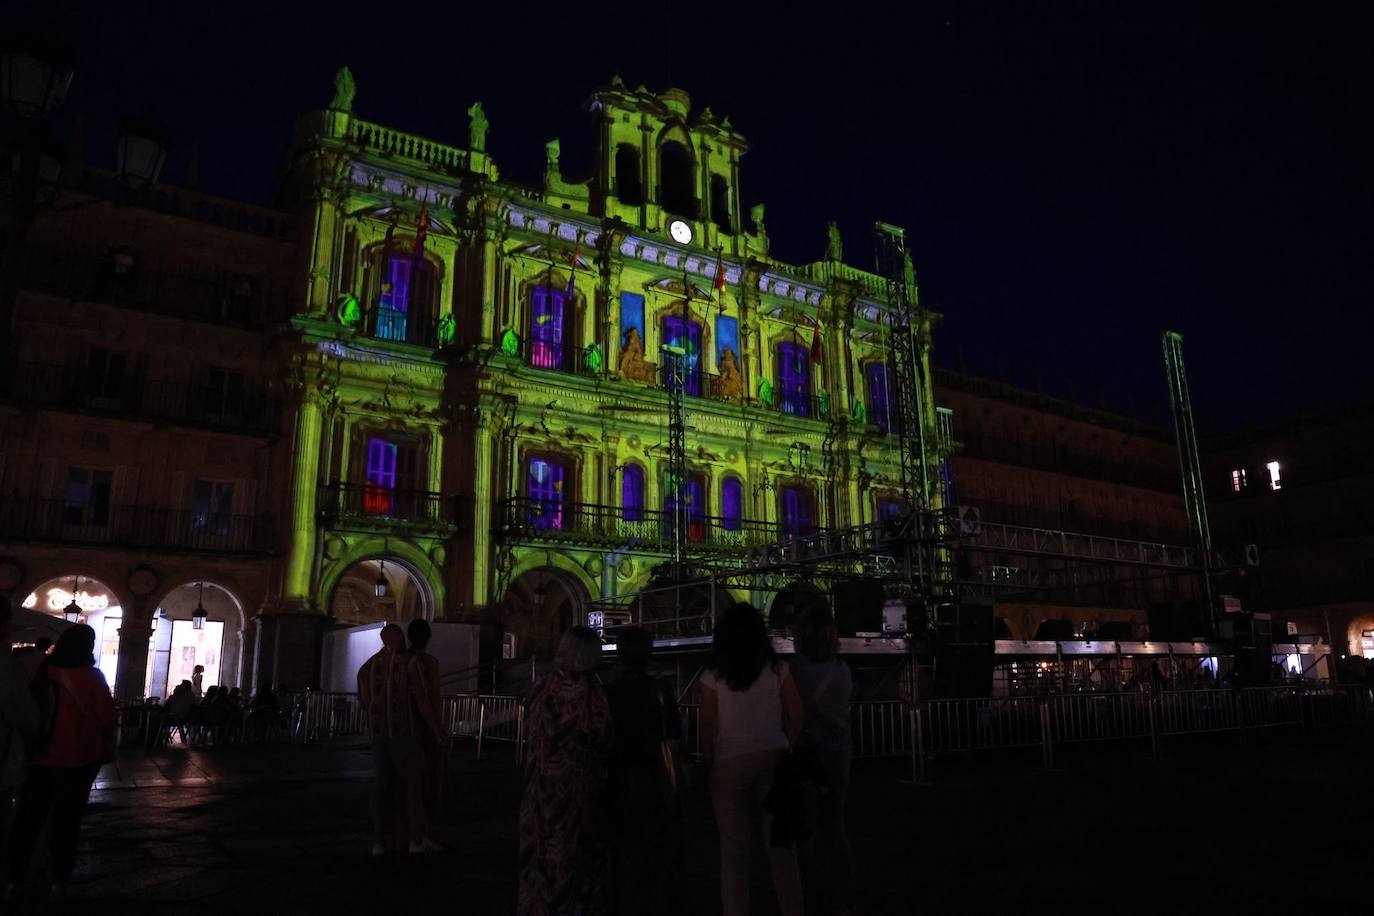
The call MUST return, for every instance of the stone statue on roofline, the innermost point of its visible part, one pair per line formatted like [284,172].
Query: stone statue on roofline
[756,214]
[551,151]
[834,248]
[731,381]
[344,90]
[477,128]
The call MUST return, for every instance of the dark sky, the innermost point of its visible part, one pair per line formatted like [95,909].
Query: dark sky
[1075,177]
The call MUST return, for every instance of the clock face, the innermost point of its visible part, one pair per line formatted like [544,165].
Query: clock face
[680,231]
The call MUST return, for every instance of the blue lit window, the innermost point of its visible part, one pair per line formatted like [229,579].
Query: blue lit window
[679,332]
[547,342]
[889,507]
[632,493]
[694,494]
[797,511]
[395,298]
[878,377]
[544,488]
[794,379]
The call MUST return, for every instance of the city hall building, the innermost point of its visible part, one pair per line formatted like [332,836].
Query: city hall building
[421,390]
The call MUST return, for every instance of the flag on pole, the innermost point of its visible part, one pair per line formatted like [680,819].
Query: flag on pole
[720,271]
[572,267]
[421,232]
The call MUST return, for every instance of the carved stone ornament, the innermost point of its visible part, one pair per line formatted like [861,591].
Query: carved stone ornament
[143,580]
[333,548]
[593,566]
[438,554]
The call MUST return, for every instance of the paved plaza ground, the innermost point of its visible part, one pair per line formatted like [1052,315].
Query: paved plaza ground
[1212,827]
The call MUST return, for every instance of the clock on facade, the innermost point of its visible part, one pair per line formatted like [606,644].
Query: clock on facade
[680,231]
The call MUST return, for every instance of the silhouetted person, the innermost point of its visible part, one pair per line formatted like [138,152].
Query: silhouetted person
[750,715]
[429,714]
[76,737]
[197,679]
[389,694]
[825,684]
[646,828]
[18,721]
[264,711]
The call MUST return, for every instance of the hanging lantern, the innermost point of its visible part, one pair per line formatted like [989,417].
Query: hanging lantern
[382,589]
[72,612]
[198,616]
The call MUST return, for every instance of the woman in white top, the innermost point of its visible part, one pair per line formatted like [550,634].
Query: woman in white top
[750,715]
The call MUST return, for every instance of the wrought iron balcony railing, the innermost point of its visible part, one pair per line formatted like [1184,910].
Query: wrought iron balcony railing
[239,408]
[59,521]
[417,326]
[369,506]
[643,530]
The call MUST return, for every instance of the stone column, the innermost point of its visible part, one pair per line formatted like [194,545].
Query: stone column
[490,284]
[300,561]
[131,671]
[485,482]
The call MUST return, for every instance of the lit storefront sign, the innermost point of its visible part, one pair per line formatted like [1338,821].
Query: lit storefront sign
[59,598]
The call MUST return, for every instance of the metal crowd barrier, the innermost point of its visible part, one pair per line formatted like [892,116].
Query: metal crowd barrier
[323,716]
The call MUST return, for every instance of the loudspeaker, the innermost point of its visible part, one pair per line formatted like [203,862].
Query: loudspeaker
[858,606]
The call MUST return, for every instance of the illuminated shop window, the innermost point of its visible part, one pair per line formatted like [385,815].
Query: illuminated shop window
[880,388]
[1274,481]
[796,509]
[1238,480]
[794,379]
[547,343]
[632,493]
[679,332]
[544,487]
[731,503]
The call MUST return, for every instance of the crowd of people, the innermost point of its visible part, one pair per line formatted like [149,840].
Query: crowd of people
[214,715]
[57,726]
[602,809]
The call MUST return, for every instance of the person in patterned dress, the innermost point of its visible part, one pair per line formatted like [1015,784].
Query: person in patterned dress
[563,854]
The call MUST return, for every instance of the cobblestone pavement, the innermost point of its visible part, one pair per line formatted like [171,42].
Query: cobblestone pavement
[1213,827]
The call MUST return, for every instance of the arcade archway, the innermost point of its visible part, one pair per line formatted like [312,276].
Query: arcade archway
[791,601]
[183,638]
[96,605]
[539,606]
[380,590]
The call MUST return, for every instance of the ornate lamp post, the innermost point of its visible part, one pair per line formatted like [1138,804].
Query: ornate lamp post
[72,612]
[198,616]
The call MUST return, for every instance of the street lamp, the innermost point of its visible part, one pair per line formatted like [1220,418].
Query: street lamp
[33,83]
[198,615]
[381,588]
[72,612]
[141,150]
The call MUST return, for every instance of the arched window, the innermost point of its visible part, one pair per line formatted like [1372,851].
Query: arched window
[794,379]
[544,480]
[390,475]
[549,342]
[694,495]
[731,503]
[881,394]
[681,332]
[632,493]
[720,204]
[629,187]
[796,511]
[675,180]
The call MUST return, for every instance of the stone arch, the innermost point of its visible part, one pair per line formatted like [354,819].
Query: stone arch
[677,172]
[536,617]
[409,555]
[1354,631]
[788,601]
[224,605]
[103,608]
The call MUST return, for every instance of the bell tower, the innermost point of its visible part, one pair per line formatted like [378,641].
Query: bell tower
[663,170]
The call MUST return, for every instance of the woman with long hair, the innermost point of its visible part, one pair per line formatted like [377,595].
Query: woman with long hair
[563,858]
[825,684]
[750,715]
[76,737]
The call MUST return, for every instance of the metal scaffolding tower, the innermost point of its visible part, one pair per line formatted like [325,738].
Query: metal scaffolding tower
[675,375]
[1189,463]
[894,265]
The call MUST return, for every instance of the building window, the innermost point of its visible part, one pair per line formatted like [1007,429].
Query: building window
[87,497]
[394,303]
[544,481]
[212,504]
[731,503]
[548,343]
[632,493]
[390,471]
[628,185]
[796,510]
[720,204]
[878,377]
[794,379]
[407,291]
[224,394]
[1237,480]
[889,507]
[1274,481]
[677,173]
[679,332]
[694,495]
[105,375]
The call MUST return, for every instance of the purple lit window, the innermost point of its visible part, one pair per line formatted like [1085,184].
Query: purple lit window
[731,503]
[379,493]
[546,328]
[395,298]
[544,487]
[679,332]
[879,378]
[797,511]
[794,379]
[889,508]
[632,493]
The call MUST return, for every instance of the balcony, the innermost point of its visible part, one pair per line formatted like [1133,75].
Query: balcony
[645,530]
[55,521]
[418,328]
[703,385]
[240,410]
[368,507]
[220,297]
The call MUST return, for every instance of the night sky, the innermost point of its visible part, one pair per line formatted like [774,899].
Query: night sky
[1074,177]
